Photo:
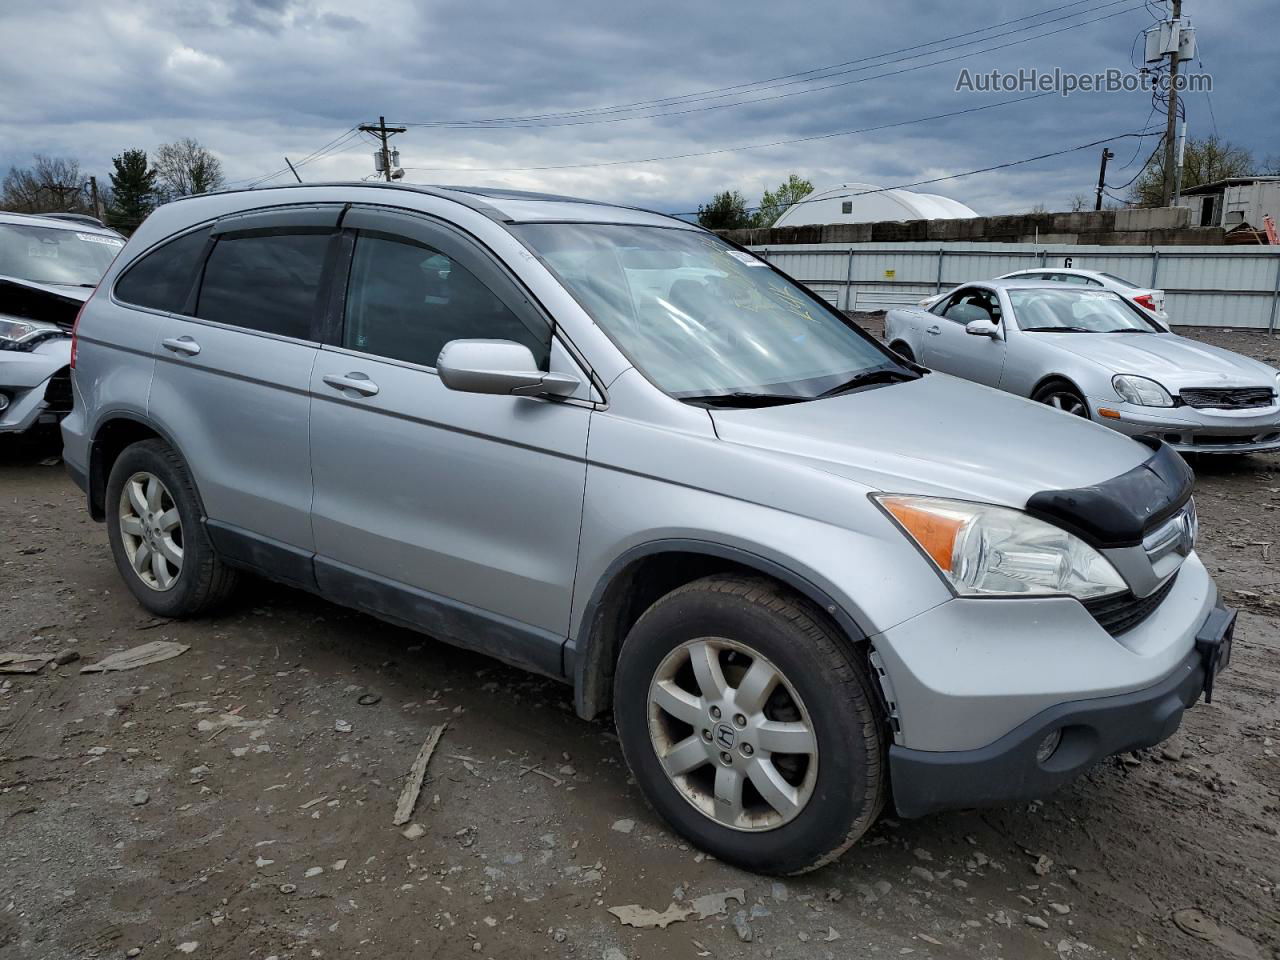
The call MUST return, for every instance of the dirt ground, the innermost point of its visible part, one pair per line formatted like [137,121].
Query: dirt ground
[236,801]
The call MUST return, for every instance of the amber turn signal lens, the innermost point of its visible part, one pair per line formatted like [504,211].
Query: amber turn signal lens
[1108,413]
[936,533]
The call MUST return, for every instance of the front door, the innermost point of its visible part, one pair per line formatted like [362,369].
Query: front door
[954,351]
[457,513]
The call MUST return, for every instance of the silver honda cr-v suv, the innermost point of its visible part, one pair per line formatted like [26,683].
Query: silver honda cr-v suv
[605,445]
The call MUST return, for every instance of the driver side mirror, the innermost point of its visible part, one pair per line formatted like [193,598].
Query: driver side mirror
[500,367]
[982,328]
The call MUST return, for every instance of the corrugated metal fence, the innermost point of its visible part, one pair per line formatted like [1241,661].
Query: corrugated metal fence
[1205,286]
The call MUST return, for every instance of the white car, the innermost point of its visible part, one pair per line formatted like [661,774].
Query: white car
[1150,300]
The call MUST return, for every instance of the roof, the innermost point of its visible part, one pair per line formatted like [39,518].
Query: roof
[868,204]
[499,203]
[55,223]
[1228,182]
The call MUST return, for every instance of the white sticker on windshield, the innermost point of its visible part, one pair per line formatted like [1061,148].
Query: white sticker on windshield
[95,238]
[746,258]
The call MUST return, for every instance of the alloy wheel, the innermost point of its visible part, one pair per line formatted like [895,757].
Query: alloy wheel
[151,530]
[732,734]
[1066,402]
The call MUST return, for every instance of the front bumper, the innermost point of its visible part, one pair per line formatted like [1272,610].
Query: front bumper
[1196,430]
[1008,770]
[27,408]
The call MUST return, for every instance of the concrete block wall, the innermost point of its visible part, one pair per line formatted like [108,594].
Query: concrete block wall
[1165,226]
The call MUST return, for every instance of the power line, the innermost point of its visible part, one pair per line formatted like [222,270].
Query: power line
[957,176]
[748,146]
[805,75]
[474,125]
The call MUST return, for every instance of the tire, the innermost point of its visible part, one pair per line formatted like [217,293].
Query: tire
[1062,396]
[836,790]
[172,524]
[902,350]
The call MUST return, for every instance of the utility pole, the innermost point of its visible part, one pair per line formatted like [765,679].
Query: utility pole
[1171,126]
[96,199]
[1102,176]
[383,133]
[1182,159]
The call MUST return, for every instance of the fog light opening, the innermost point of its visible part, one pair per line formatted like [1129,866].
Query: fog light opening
[1048,746]
[4,401]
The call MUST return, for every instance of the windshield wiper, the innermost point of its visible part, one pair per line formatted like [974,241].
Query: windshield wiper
[1057,330]
[745,399]
[883,375]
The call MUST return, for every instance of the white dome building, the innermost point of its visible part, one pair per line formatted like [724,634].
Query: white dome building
[867,203]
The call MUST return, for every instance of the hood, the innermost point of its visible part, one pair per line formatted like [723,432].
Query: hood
[1170,360]
[939,436]
[33,300]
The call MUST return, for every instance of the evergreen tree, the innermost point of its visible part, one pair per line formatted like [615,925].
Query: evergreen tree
[133,190]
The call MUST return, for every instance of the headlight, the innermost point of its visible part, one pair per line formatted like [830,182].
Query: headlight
[16,334]
[1141,391]
[985,550]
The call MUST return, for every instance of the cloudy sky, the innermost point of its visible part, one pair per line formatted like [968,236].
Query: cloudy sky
[256,80]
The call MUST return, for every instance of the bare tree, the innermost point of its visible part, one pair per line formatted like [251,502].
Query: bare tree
[49,185]
[1080,203]
[1208,159]
[186,167]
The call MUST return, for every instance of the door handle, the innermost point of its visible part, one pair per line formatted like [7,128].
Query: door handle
[358,382]
[934,330]
[183,345]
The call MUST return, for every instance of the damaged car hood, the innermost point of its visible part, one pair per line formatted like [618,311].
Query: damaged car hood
[32,300]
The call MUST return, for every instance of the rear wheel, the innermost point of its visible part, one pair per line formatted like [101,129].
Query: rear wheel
[750,726]
[157,535]
[1062,396]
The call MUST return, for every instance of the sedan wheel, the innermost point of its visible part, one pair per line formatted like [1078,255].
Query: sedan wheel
[151,531]
[732,734]
[1064,399]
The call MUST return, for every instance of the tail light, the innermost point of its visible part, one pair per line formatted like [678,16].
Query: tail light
[1146,301]
[75,328]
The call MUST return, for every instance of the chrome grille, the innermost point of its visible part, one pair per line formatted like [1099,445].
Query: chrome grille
[1228,398]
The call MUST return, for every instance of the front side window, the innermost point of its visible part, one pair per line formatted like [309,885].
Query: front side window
[54,255]
[162,279]
[405,301]
[1076,311]
[970,305]
[265,282]
[702,319]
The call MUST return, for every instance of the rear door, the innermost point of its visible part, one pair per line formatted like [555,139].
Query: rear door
[456,512]
[231,381]
[950,349]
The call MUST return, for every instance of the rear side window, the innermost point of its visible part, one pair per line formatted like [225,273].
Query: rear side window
[162,279]
[406,301]
[265,282]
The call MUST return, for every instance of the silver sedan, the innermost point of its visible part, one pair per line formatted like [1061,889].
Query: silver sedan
[1092,353]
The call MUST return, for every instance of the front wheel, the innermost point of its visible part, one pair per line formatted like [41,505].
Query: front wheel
[1064,397]
[750,726]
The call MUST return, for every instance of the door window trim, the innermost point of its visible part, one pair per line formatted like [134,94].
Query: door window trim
[290,220]
[395,223]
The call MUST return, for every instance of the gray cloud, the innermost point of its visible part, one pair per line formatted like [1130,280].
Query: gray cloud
[258,79]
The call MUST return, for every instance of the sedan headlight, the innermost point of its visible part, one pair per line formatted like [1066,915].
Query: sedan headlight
[985,550]
[1141,391]
[19,334]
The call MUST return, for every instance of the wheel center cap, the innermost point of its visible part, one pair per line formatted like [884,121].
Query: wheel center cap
[725,735]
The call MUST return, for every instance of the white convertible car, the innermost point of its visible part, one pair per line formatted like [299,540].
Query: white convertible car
[1091,352]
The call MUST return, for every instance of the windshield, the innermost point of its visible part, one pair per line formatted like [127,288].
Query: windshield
[1076,311]
[702,319]
[55,255]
